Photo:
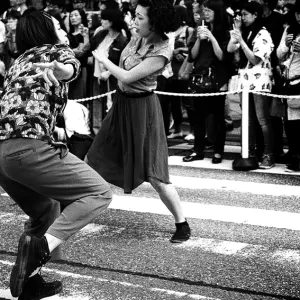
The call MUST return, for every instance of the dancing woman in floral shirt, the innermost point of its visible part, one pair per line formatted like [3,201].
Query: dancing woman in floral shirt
[34,169]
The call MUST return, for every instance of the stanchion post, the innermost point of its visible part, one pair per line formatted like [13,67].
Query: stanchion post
[245,123]
[245,163]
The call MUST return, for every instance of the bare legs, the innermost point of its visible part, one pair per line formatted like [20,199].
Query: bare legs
[170,198]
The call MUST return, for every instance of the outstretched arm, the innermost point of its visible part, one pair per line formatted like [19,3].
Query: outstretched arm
[147,67]
[53,71]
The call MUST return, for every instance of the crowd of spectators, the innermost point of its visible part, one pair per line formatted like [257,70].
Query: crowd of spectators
[254,43]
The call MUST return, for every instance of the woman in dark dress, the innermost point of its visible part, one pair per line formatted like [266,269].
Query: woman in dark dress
[79,38]
[131,146]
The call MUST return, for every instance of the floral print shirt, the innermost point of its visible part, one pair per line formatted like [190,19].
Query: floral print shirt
[258,77]
[29,106]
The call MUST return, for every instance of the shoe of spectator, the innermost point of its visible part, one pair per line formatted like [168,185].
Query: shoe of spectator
[229,126]
[209,146]
[37,288]
[189,137]
[217,158]
[182,233]
[192,157]
[32,254]
[175,135]
[268,162]
[292,168]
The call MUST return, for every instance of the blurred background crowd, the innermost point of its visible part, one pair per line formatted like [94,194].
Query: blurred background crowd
[258,49]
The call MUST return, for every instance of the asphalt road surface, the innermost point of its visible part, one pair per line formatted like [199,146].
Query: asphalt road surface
[245,240]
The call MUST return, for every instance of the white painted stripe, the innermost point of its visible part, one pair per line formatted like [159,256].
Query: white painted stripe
[225,165]
[5,195]
[97,279]
[222,213]
[233,214]
[256,188]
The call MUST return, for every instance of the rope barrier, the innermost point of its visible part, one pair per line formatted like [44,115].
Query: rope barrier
[196,95]
[94,97]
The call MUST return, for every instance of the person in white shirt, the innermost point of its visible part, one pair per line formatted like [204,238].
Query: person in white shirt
[76,131]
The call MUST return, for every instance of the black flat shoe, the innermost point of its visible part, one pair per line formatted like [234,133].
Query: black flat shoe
[193,157]
[216,160]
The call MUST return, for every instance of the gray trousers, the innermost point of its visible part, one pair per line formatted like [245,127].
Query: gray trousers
[35,173]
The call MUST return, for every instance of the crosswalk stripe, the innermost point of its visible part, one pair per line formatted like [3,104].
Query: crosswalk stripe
[6,293]
[232,214]
[235,185]
[221,213]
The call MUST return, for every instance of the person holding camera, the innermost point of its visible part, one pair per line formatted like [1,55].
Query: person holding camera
[254,45]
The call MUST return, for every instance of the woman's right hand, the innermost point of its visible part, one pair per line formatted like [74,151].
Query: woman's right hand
[289,39]
[98,56]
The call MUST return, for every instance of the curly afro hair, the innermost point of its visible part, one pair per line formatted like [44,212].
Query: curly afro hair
[162,15]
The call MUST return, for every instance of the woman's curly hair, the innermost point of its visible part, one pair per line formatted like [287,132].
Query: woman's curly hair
[161,15]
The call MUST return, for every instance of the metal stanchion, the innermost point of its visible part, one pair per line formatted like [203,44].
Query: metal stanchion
[245,163]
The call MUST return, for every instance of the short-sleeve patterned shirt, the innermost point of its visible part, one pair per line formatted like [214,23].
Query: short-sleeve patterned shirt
[29,106]
[132,55]
[259,77]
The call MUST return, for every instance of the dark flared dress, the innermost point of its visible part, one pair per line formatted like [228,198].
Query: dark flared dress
[131,145]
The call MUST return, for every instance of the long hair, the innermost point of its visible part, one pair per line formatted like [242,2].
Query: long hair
[84,19]
[220,23]
[252,7]
[35,29]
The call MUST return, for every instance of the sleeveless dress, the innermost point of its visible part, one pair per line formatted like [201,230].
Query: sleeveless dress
[131,145]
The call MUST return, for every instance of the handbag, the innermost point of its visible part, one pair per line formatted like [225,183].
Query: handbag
[204,81]
[185,70]
[277,108]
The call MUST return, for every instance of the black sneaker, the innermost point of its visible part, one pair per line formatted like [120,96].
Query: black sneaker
[268,162]
[37,288]
[32,254]
[182,233]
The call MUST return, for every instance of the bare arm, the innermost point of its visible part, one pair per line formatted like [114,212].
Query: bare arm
[53,71]
[217,49]
[284,46]
[236,34]
[195,50]
[147,67]
[249,53]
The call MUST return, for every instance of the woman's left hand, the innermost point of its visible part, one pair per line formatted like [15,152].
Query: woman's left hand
[236,34]
[105,75]
[206,33]
[98,56]
[83,30]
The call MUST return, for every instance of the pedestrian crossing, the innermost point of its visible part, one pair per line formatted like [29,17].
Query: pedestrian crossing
[145,205]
